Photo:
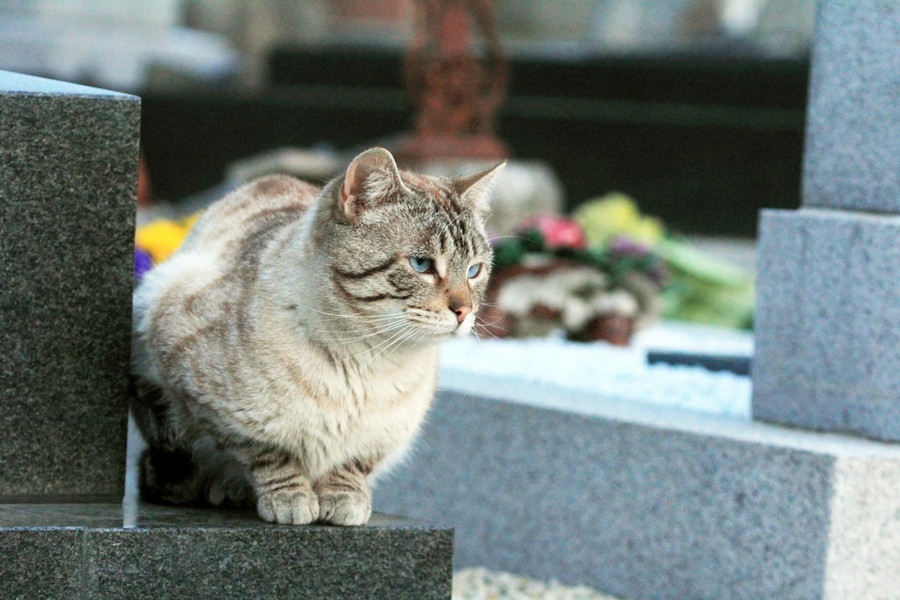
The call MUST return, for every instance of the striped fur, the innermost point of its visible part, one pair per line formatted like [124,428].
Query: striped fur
[288,352]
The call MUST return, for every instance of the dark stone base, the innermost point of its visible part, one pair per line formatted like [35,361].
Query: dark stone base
[144,551]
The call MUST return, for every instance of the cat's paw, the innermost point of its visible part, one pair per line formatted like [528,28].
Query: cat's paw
[227,494]
[345,507]
[288,507]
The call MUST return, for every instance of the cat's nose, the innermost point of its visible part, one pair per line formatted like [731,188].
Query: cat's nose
[461,307]
[461,313]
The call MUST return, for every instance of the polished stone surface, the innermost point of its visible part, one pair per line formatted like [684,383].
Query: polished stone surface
[827,326]
[146,551]
[68,181]
[648,502]
[852,150]
[44,563]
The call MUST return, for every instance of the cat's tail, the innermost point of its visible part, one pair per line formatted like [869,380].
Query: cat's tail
[166,472]
[173,470]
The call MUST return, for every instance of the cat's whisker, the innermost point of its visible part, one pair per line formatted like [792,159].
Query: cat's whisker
[383,345]
[371,334]
[483,324]
[484,331]
[488,328]
[403,338]
[373,330]
[350,315]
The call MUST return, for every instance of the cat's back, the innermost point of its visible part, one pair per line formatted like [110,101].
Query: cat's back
[251,208]
[198,286]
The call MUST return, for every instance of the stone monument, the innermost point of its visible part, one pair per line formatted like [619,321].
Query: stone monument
[68,177]
[828,317]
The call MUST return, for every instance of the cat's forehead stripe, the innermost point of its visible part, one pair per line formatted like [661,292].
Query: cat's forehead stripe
[442,195]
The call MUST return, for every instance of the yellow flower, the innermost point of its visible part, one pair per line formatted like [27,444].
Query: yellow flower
[616,214]
[648,230]
[160,239]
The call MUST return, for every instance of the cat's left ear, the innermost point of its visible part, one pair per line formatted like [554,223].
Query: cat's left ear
[476,188]
[371,178]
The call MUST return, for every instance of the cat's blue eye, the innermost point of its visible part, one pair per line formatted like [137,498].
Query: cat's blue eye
[420,264]
[474,270]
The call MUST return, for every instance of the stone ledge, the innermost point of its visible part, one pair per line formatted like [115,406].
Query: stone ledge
[100,551]
[647,502]
[828,322]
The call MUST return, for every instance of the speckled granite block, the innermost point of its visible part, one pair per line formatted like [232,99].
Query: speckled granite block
[852,154]
[39,563]
[646,502]
[84,552]
[68,180]
[827,326]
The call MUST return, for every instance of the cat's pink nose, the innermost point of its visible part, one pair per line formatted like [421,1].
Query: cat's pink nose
[461,313]
[461,307]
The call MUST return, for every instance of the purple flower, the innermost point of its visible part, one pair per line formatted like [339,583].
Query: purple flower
[142,263]
[626,246]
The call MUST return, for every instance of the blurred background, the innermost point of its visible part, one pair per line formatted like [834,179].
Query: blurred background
[693,107]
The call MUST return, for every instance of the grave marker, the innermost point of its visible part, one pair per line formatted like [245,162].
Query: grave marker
[828,316]
[68,179]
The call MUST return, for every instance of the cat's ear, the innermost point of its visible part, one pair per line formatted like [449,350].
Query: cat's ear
[371,178]
[476,188]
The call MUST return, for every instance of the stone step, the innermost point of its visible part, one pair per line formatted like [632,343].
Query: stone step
[651,502]
[133,550]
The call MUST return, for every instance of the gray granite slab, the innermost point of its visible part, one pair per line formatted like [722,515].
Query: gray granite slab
[827,328]
[852,153]
[647,502]
[40,564]
[68,178]
[90,551]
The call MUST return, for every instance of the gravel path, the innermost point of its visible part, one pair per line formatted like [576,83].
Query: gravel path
[481,584]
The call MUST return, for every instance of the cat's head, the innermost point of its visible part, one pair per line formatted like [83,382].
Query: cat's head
[406,251]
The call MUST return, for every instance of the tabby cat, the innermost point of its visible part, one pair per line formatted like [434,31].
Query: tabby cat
[289,350]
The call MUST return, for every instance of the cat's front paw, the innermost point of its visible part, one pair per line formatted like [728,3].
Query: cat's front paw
[288,507]
[345,507]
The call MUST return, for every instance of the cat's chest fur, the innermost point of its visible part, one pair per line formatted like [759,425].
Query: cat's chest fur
[333,409]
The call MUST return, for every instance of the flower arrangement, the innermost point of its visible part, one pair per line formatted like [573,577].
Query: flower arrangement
[700,287]
[564,238]
[549,277]
[608,263]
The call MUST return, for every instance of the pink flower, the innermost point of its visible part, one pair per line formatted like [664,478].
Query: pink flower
[558,232]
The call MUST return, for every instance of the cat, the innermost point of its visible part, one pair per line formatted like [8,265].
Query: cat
[288,352]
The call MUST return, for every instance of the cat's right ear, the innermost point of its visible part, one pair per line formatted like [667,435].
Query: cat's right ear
[371,178]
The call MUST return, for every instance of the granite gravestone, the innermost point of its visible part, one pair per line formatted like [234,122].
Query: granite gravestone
[68,181]
[828,317]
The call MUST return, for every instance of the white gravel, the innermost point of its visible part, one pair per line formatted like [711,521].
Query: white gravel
[619,373]
[481,584]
